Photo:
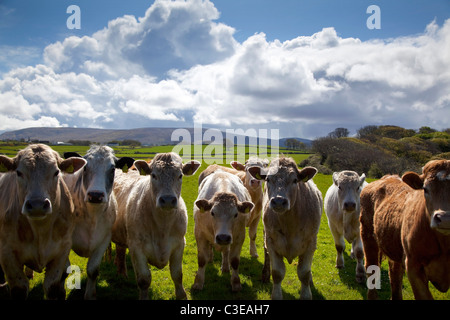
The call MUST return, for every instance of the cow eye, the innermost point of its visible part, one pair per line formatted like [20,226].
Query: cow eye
[295,181]
[235,216]
[212,213]
[180,177]
[56,173]
[425,190]
[153,176]
[19,174]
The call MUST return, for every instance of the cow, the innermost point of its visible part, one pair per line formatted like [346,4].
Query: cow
[36,218]
[408,220]
[342,207]
[292,209]
[95,207]
[254,187]
[152,218]
[221,212]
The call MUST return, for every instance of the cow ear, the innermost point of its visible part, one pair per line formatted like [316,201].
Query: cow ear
[335,178]
[7,164]
[143,167]
[70,154]
[413,180]
[203,205]
[72,165]
[362,178]
[237,165]
[124,163]
[256,173]
[245,207]
[306,173]
[191,167]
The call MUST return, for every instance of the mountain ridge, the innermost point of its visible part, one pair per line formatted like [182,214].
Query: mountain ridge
[146,136]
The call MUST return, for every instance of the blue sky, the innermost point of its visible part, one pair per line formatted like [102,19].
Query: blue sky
[318,64]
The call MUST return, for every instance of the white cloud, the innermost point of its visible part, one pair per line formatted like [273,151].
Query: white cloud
[177,64]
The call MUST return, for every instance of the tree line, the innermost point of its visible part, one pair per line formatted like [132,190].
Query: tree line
[379,150]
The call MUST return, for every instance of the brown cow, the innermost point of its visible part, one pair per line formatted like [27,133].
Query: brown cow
[409,222]
[292,209]
[36,218]
[152,218]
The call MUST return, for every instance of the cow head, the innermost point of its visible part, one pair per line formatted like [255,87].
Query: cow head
[98,174]
[250,181]
[225,208]
[435,182]
[166,171]
[38,177]
[349,186]
[282,179]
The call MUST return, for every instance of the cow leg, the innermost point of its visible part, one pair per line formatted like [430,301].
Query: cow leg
[252,230]
[418,280]
[370,245]
[358,252]
[120,260]
[304,274]
[265,277]
[235,258]
[339,243]
[176,272]
[266,268]
[142,272]
[203,256]
[17,281]
[278,273]
[395,277]
[225,268]
[93,267]
[55,276]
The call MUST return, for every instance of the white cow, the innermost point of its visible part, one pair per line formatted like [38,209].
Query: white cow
[342,207]
[152,219]
[95,207]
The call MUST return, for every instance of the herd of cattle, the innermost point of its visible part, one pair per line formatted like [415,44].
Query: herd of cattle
[50,205]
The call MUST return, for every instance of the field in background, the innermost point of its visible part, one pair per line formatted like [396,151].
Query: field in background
[329,283]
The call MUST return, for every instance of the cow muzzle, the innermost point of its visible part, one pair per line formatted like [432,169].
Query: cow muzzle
[37,208]
[223,239]
[279,204]
[168,202]
[349,207]
[96,196]
[440,221]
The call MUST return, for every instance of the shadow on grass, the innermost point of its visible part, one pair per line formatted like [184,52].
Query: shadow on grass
[348,277]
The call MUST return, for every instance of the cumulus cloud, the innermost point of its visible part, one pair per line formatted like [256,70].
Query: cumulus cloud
[177,64]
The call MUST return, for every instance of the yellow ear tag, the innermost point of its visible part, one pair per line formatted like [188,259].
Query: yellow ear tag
[142,172]
[3,168]
[258,176]
[70,169]
[125,168]
[247,210]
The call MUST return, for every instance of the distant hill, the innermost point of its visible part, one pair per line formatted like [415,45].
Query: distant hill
[147,136]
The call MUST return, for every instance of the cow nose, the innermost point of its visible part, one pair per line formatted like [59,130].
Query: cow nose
[223,239]
[441,220]
[168,202]
[37,207]
[349,206]
[96,196]
[278,203]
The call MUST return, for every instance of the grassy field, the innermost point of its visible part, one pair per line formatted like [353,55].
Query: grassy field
[329,283]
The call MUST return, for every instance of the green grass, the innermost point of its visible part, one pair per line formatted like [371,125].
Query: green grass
[329,283]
